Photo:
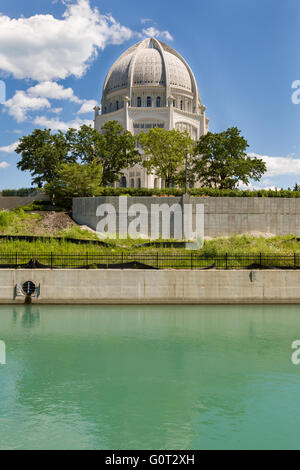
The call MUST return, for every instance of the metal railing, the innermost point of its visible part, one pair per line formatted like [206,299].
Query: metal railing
[154,260]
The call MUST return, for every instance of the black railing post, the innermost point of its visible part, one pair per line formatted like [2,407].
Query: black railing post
[157,260]
[191,260]
[260,261]
[226,260]
[51,260]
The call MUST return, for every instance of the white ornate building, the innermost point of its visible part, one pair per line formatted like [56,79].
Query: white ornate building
[151,85]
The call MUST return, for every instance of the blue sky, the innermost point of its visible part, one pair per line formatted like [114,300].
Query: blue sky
[54,56]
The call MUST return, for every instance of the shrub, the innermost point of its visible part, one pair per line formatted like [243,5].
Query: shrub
[198,192]
[6,218]
[37,206]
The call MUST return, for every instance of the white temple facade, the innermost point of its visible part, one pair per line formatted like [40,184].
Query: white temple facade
[151,85]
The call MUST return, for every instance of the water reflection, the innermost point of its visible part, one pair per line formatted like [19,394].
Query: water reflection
[149,377]
[27,315]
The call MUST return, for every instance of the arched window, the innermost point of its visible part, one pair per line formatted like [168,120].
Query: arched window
[139,102]
[104,109]
[139,183]
[181,105]
[117,105]
[123,182]
[156,183]
[132,183]
[158,102]
[149,101]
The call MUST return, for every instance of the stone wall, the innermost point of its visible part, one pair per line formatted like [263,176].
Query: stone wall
[224,216]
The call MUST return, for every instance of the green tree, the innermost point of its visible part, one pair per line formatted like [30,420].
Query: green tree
[221,160]
[75,180]
[164,153]
[42,154]
[113,148]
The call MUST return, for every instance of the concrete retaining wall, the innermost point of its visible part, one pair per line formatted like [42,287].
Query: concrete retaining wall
[154,287]
[224,216]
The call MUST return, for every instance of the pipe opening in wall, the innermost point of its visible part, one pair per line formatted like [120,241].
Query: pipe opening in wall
[29,288]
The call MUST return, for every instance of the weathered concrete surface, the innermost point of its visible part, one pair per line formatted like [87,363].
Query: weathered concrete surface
[224,216]
[154,287]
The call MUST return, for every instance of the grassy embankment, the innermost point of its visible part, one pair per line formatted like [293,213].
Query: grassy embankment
[20,222]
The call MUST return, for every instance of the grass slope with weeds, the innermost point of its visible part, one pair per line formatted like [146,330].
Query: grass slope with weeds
[247,244]
[20,222]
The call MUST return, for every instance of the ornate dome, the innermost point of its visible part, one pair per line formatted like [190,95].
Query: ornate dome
[151,63]
[151,86]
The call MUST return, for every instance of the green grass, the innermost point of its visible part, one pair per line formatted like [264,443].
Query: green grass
[238,245]
[17,222]
[247,244]
[78,233]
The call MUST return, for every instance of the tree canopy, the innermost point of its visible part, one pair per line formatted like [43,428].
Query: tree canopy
[64,160]
[165,152]
[113,148]
[220,160]
[42,154]
[75,180]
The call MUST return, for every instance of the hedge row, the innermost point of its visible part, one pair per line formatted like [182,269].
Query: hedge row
[22,192]
[200,192]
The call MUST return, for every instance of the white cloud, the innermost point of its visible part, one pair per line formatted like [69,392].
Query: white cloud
[87,106]
[21,103]
[4,164]
[38,96]
[278,166]
[156,33]
[264,184]
[43,47]
[9,148]
[56,110]
[56,124]
[53,91]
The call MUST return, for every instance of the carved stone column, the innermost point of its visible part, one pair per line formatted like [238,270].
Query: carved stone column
[126,117]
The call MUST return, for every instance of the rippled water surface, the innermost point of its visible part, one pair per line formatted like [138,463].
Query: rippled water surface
[208,377]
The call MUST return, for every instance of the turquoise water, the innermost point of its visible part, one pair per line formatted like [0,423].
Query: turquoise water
[208,377]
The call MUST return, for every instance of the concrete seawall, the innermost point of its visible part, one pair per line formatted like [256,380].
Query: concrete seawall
[153,287]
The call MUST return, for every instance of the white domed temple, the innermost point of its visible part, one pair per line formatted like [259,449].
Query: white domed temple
[151,85]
